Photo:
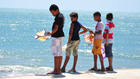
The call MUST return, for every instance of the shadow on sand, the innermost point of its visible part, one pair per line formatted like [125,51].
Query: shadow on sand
[111,71]
[75,73]
[101,72]
[58,76]
[53,75]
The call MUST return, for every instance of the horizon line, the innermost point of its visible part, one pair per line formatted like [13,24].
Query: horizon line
[69,10]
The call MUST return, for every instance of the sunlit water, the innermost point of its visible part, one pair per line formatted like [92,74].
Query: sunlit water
[21,53]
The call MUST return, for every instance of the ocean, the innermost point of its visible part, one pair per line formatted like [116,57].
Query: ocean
[21,53]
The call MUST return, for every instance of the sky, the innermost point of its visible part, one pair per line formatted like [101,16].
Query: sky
[85,5]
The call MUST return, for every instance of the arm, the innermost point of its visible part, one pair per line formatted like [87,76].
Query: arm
[107,34]
[71,32]
[84,30]
[54,30]
[107,38]
[57,22]
[100,28]
[90,31]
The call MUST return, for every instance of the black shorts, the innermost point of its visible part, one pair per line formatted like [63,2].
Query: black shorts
[108,50]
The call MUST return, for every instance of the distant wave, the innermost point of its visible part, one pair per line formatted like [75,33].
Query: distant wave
[87,51]
[127,56]
[115,54]
[13,24]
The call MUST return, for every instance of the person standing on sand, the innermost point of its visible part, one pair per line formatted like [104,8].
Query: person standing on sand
[96,50]
[73,41]
[57,35]
[108,39]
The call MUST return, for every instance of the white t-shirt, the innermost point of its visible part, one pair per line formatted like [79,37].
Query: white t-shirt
[99,27]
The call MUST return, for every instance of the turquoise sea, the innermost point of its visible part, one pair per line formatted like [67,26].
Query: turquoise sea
[21,53]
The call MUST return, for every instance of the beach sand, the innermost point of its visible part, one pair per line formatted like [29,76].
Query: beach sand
[117,74]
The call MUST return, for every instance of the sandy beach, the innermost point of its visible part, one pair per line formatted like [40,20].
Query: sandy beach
[117,74]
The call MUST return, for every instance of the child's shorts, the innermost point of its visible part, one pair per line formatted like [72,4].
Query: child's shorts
[97,46]
[56,46]
[108,50]
[72,47]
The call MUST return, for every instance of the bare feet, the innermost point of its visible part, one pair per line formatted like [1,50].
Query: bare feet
[72,70]
[103,69]
[109,69]
[63,70]
[94,68]
[54,72]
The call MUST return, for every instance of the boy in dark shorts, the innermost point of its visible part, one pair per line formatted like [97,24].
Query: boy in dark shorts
[57,35]
[108,39]
[73,41]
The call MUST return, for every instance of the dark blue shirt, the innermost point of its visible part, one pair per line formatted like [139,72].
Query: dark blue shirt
[77,27]
[59,20]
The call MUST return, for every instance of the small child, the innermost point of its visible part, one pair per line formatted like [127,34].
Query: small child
[108,39]
[97,41]
[73,41]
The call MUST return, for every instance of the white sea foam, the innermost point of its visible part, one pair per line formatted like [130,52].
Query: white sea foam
[23,69]
[13,24]
[1,57]
[84,51]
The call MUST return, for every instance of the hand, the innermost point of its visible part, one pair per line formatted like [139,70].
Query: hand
[68,41]
[91,32]
[106,43]
[80,33]
[49,33]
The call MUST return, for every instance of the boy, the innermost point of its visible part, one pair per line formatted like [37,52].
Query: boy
[57,35]
[108,39]
[97,41]
[73,41]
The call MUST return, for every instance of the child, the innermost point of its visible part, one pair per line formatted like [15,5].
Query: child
[97,41]
[108,39]
[57,35]
[73,41]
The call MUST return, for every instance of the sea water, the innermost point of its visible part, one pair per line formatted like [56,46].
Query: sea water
[21,53]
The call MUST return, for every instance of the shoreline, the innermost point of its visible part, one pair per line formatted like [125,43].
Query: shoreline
[116,74]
